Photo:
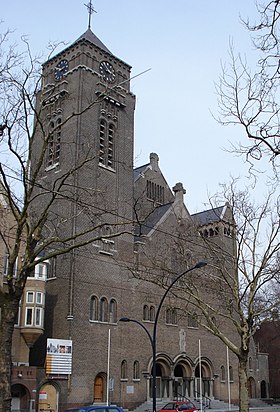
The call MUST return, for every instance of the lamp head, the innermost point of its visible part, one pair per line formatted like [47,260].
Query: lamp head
[200,264]
[124,320]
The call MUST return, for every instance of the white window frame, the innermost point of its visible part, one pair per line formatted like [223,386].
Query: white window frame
[41,271]
[39,301]
[40,312]
[29,293]
[26,317]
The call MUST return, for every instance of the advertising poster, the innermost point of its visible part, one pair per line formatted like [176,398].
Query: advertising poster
[59,357]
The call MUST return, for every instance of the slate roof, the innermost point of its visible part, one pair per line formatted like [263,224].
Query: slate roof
[152,219]
[209,216]
[92,38]
[138,170]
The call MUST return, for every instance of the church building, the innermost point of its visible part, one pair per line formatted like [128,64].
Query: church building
[70,347]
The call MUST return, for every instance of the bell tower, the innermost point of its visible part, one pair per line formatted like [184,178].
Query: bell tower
[86,125]
[87,102]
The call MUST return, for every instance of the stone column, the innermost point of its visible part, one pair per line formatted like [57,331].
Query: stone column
[192,387]
[211,395]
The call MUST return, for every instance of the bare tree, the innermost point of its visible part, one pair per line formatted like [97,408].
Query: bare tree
[248,96]
[30,236]
[236,290]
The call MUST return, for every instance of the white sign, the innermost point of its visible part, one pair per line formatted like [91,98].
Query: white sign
[43,395]
[130,389]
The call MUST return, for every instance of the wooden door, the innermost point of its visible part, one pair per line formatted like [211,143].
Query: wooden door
[98,389]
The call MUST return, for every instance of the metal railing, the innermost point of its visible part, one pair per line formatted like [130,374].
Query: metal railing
[206,401]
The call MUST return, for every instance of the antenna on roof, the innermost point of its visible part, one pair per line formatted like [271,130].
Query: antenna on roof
[90,10]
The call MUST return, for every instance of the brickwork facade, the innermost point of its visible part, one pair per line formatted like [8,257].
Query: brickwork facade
[88,106]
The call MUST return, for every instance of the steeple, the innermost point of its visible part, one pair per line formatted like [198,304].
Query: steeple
[89,35]
[92,38]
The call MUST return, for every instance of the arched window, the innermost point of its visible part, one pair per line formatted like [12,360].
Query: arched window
[168,316]
[192,320]
[54,140]
[103,314]
[152,313]
[231,373]
[106,243]
[250,363]
[171,316]
[113,311]
[106,143]
[174,317]
[93,309]
[124,369]
[223,373]
[136,370]
[145,312]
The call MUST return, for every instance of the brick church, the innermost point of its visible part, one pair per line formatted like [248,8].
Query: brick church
[69,346]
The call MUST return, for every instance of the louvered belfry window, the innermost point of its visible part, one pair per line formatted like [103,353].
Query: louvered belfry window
[54,142]
[106,144]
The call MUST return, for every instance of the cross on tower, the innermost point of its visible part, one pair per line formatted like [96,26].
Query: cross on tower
[91,10]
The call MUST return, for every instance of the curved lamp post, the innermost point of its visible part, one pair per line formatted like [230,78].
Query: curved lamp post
[153,338]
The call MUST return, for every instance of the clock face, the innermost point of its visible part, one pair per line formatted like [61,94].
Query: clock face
[107,71]
[60,69]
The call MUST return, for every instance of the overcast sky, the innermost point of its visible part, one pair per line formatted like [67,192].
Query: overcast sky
[184,43]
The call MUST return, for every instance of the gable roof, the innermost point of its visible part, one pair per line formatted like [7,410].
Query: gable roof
[161,212]
[209,216]
[153,220]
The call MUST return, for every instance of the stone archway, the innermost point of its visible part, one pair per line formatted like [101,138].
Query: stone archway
[20,398]
[251,385]
[182,384]
[163,378]
[48,398]
[203,383]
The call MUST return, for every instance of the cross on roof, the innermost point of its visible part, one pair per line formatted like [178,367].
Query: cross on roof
[91,10]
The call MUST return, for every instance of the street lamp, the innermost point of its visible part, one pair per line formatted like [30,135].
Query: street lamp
[153,338]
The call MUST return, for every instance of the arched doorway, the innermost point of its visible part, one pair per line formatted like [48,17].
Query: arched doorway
[99,388]
[182,380]
[203,383]
[263,390]
[163,379]
[48,398]
[20,398]
[159,375]
[178,382]
[251,385]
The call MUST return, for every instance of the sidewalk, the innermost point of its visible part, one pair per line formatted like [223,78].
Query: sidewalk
[234,408]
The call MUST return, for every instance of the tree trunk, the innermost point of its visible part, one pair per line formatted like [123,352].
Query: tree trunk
[8,315]
[243,389]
